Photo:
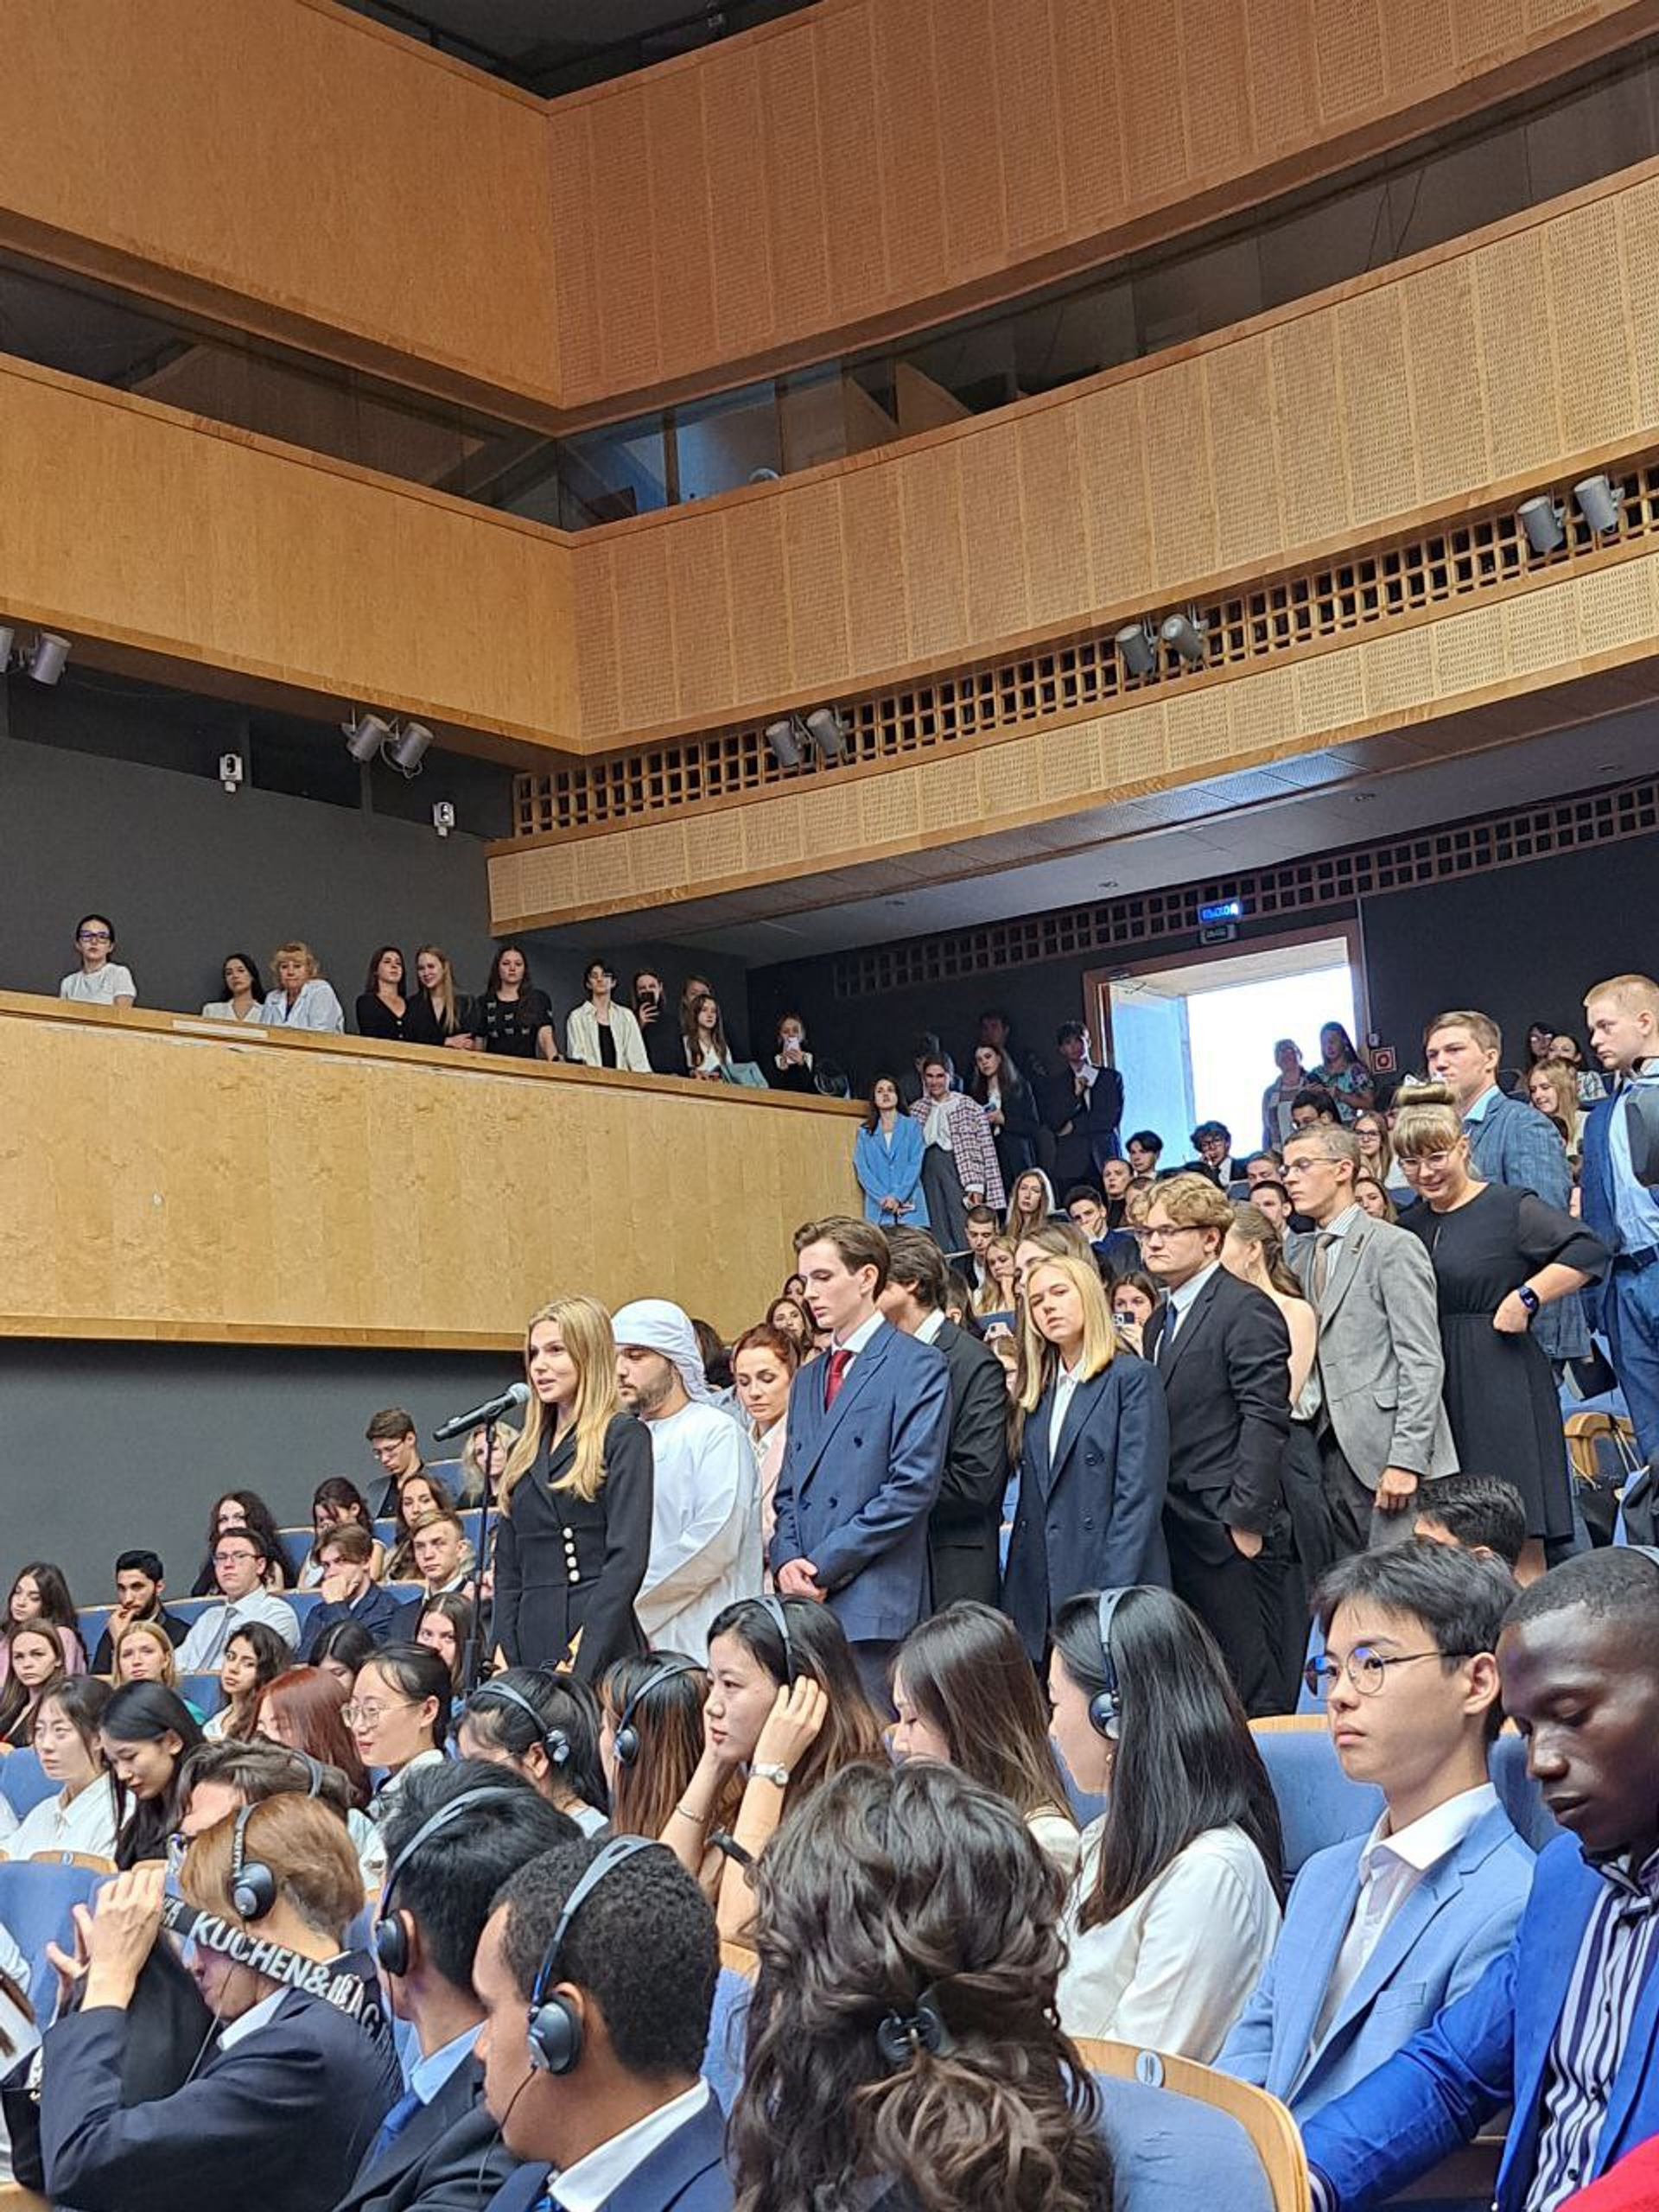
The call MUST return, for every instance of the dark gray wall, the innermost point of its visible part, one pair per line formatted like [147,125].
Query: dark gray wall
[111,1445]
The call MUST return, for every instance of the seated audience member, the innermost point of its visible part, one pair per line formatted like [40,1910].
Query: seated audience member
[1553,1090]
[348,1588]
[241,1508]
[1052,1240]
[611,1950]
[1376,1150]
[1479,1513]
[1143,1151]
[655,1703]
[1309,1109]
[253,1658]
[708,1055]
[40,1598]
[1213,1143]
[1093,1458]
[790,1315]
[785,1706]
[80,1814]
[705,1514]
[399,1714]
[457,1835]
[446,1627]
[1374,1199]
[290,2093]
[1115,1251]
[242,1559]
[337,1503]
[966,1693]
[512,1017]
[1559,2028]
[34,1665]
[471,1485]
[545,1727]
[144,1655]
[437,1014]
[140,1591]
[887,1161]
[658,1027]
[302,1710]
[419,1495]
[343,1652]
[145,1733]
[1272,1200]
[383,1002]
[390,1436]
[903,2049]
[299,998]
[1134,1298]
[959,1163]
[443,1563]
[1115,1177]
[243,992]
[1175,1905]
[99,979]
[600,1032]
[1382,1929]
[983,1227]
[1031,1205]
[764,1361]
[998,1295]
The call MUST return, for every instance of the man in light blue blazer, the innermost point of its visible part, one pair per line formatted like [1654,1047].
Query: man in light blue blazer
[868,1426]
[1384,1929]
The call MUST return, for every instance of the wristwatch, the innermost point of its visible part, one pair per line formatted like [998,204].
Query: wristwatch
[1529,1297]
[779,1774]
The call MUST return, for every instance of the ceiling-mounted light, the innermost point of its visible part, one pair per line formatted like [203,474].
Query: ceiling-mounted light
[1137,648]
[828,733]
[785,739]
[1541,519]
[1187,635]
[365,736]
[1599,502]
[408,747]
[46,659]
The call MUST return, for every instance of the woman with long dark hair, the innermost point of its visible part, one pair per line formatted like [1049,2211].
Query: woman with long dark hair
[40,1598]
[336,1501]
[708,1055]
[81,1814]
[254,1656]
[964,1692]
[512,1017]
[242,1508]
[545,1727]
[1343,1073]
[33,1666]
[147,1733]
[1175,1905]
[902,2050]
[418,1494]
[243,992]
[1009,1108]
[660,1696]
[383,1002]
[887,1161]
[446,1627]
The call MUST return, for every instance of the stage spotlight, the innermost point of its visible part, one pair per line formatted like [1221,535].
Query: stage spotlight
[365,736]
[408,747]
[828,733]
[785,739]
[1599,502]
[45,661]
[1186,636]
[1542,520]
[1137,648]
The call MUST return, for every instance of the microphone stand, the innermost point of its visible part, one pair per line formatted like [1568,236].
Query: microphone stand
[475,1660]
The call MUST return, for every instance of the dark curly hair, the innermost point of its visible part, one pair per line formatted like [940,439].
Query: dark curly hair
[884,1887]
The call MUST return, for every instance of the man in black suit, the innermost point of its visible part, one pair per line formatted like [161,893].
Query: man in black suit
[1083,1105]
[1213,1143]
[1224,1353]
[964,1525]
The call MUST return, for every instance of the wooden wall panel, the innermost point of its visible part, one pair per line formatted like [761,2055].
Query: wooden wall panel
[288,1190]
[1502,358]
[128,521]
[915,152]
[290,154]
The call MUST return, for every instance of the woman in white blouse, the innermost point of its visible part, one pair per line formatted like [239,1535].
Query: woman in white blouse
[99,979]
[244,993]
[299,998]
[1176,1901]
[81,1815]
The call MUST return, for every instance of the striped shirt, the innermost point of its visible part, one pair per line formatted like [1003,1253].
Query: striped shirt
[1588,2047]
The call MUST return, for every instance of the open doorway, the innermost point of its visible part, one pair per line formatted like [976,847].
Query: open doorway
[1194,1037]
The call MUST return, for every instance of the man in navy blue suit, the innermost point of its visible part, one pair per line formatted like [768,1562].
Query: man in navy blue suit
[1620,1204]
[868,1426]
[596,1972]
[1564,2027]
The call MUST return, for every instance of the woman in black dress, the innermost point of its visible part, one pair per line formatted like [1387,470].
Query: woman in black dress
[573,1538]
[1009,1106]
[1500,1255]
[512,1017]
[381,1005]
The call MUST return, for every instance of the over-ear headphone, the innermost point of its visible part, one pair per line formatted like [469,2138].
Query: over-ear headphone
[1105,1707]
[554,1741]
[626,1742]
[391,1936]
[553,2027]
[253,1886]
[774,1607]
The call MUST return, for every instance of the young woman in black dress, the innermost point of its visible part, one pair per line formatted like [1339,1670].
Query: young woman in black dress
[574,1537]
[1500,1255]
[513,1017]
[382,1005]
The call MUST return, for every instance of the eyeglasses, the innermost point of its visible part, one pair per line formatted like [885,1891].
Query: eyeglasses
[243,1558]
[370,1715]
[1162,1236]
[1415,1165]
[93,936]
[1366,1669]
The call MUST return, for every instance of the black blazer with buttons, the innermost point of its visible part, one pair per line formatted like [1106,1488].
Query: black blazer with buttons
[564,1563]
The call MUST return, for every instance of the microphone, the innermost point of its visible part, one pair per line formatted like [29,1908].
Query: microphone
[515,1396]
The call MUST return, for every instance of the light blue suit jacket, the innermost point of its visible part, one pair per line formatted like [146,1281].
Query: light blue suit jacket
[1459,1917]
[1489,2048]
[895,1173]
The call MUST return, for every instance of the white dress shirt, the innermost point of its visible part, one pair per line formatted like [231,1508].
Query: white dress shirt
[87,1823]
[250,2023]
[705,1527]
[1390,1868]
[936,1125]
[594,2180]
[1065,1381]
[856,1342]
[927,1330]
[203,1649]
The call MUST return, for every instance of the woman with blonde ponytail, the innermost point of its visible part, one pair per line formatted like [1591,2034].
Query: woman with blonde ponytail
[574,1532]
[903,2051]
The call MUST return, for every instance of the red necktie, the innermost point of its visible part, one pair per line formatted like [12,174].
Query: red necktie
[839,1363]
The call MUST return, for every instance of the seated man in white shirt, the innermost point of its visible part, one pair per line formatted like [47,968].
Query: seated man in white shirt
[242,1559]
[1383,1929]
[612,1951]
[705,1515]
